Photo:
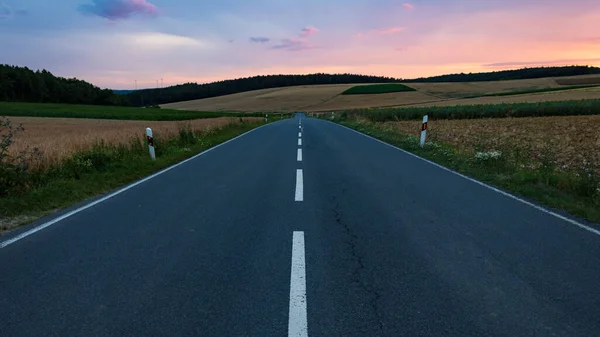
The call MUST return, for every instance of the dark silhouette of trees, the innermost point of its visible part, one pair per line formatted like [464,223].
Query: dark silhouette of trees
[519,74]
[24,85]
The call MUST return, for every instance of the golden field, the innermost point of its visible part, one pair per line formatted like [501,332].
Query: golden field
[58,138]
[315,98]
[570,139]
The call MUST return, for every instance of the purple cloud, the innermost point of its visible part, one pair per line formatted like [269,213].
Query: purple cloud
[308,31]
[293,45]
[259,39]
[118,9]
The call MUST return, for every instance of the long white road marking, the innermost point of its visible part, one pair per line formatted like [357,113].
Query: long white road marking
[539,208]
[298,321]
[299,134]
[299,141]
[299,185]
[94,203]
[299,126]
[299,156]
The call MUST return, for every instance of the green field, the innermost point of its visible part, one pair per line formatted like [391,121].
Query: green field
[377,89]
[559,108]
[108,112]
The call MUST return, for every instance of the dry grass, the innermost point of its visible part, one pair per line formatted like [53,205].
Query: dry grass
[58,138]
[314,98]
[571,140]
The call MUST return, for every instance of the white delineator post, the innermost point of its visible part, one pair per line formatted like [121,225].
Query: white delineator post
[424,130]
[266,117]
[150,143]
[332,115]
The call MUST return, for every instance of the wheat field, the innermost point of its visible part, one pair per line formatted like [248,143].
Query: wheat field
[572,140]
[58,138]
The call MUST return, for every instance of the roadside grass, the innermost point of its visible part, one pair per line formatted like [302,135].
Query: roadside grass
[102,169]
[377,89]
[533,91]
[108,112]
[557,108]
[576,191]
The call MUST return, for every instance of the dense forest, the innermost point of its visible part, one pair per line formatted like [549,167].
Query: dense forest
[24,85]
[190,91]
[519,74]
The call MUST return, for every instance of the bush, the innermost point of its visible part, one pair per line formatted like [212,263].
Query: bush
[377,89]
[13,167]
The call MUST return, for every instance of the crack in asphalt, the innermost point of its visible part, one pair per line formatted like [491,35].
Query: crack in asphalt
[356,273]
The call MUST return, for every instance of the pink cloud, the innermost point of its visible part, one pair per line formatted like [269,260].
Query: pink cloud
[408,6]
[118,9]
[381,31]
[308,31]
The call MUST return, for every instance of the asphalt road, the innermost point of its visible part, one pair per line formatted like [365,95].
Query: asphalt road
[364,240]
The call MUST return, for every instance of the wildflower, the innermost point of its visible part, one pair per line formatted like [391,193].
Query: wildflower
[488,155]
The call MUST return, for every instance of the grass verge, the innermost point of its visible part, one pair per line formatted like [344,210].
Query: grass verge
[377,89]
[108,112]
[575,192]
[100,170]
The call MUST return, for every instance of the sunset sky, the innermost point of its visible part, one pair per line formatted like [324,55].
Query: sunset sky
[112,43]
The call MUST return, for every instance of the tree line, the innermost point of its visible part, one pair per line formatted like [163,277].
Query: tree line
[24,85]
[519,74]
[191,91]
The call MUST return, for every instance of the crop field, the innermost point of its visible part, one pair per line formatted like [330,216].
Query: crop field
[318,98]
[377,89]
[579,80]
[541,109]
[102,112]
[571,141]
[59,138]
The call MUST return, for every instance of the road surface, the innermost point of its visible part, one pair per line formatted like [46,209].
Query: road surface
[302,228]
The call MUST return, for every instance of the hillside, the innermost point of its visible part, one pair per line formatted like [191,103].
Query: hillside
[330,98]
[191,91]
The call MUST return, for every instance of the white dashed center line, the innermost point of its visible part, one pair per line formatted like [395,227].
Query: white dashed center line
[299,185]
[299,156]
[298,321]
